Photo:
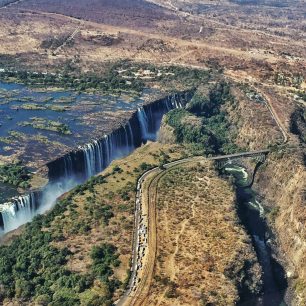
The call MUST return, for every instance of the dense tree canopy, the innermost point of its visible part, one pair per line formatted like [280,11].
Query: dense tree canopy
[212,135]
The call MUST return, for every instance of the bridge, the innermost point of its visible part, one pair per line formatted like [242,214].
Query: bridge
[138,284]
[258,156]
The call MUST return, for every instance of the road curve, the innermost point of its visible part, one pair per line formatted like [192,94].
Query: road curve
[144,236]
[143,257]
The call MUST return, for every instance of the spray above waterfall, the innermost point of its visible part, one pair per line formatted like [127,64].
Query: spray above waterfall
[18,212]
[79,165]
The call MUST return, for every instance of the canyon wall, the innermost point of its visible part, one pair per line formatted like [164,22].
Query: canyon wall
[282,183]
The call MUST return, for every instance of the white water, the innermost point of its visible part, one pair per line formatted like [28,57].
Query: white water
[10,212]
[257,206]
[239,169]
[144,122]
[97,156]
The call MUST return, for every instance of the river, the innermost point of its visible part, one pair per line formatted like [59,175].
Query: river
[252,215]
[85,161]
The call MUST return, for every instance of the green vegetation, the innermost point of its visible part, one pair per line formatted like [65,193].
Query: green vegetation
[168,76]
[103,257]
[288,79]
[66,256]
[302,95]
[251,93]
[94,212]
[34,106]
[49,125]
[274,213]
[111,81]
[117,78]
[204,125]
[69,99]
[15,174]
[300,288]
[33,269]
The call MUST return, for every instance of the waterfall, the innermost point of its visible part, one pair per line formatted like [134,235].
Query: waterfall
[20,211]
[130,134]
[99,154]
[143,120]
[68,166]
[82,163]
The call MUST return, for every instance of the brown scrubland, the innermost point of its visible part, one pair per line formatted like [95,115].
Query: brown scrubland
[259,48]
[203,253]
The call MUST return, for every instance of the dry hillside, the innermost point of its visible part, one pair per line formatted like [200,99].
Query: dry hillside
[203,253]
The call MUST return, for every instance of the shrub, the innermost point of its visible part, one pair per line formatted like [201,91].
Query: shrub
[212,133]
[15,174]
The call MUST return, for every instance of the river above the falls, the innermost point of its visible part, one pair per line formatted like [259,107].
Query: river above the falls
[53,121]
[84,161]
[37,125]
[252,215]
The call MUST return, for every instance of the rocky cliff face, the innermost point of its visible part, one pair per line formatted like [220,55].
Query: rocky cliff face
[166,133]
[281,181]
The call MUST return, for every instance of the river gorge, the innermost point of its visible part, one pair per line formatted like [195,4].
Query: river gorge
[252,215]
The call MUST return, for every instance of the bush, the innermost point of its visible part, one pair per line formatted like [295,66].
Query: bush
[104,257]
[15,174]
[211,134]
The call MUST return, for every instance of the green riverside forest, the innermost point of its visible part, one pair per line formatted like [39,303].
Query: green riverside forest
[15,174]
[208,130]
[33,269]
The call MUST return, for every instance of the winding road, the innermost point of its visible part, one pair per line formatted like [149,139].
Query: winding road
[145,231]
[144,242]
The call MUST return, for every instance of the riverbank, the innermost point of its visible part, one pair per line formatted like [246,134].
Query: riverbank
[252,214]
[282,183]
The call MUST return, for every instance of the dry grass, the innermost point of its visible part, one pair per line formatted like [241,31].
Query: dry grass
[119,230]
[199,240]
[253,124]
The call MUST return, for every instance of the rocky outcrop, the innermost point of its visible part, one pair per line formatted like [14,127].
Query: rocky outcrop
[166,133]
[282,183]
[251,122]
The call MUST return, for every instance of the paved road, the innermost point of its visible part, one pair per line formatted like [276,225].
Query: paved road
[242,154]
[137,288]
[128,297]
